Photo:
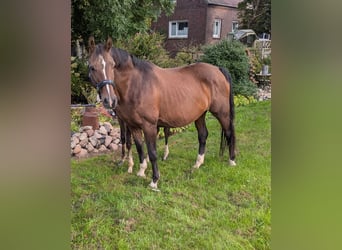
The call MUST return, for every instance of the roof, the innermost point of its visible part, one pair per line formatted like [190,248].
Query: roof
[228,3]
[243,33]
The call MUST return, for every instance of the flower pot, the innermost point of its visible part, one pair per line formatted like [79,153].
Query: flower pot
[91,118]
[264,70]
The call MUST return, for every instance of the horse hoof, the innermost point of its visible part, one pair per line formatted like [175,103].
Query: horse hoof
[130,170]
[232,163]
[154,186]
[141,175]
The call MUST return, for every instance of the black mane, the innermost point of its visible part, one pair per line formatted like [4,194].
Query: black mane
[121,58]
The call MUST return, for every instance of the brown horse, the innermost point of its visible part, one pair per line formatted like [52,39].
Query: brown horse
[146,96]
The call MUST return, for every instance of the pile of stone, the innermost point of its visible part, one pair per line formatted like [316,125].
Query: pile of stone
[89,141]
[264,93]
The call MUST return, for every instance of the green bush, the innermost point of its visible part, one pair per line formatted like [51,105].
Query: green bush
[232,56]
[146,46]
[81,89]
[76,119]
[240,100]
[150,47]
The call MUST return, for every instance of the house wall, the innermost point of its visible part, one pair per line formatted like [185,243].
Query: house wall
[226,14]
[200,16]
[194,11]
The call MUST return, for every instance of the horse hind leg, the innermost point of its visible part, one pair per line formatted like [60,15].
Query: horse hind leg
[126,142]
[129,149]
[166,149]
[227,137]
[202,140]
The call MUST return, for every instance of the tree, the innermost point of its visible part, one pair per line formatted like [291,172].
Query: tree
[115,18]
[256,15]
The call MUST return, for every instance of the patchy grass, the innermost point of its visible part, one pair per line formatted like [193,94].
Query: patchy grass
[214,207]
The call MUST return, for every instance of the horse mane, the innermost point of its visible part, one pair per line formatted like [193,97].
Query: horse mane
[121,57]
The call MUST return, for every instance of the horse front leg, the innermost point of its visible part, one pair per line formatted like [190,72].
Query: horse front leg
[137,136]
[202,139]
[150,134]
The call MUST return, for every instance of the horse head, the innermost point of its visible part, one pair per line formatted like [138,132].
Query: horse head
[101,71]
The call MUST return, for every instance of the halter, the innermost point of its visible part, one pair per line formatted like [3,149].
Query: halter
[104,83]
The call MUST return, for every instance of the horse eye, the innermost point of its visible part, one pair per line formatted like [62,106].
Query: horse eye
[91,68]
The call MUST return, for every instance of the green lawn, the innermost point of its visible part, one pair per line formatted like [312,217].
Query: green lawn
[214,207]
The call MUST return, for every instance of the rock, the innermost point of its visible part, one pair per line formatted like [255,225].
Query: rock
[84,142]
[113,146]
[90,147]
[115,133]
[86,128]
[90,132]
[108,140]
[103,130]
[77,135]
[117,141]
[74,141]
[101,140]
[77,149]
[83,136]
[108,126]
[82,153]
[102,148]
[97,135]
[93,141]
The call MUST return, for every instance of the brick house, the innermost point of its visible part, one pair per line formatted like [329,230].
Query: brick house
[197,22]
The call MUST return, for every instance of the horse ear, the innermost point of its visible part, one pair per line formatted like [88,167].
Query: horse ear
[109,44]
[91,44]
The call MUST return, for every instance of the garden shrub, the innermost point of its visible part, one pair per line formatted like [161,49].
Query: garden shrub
[82,91]
[146,46]
[232,56]
[240,100]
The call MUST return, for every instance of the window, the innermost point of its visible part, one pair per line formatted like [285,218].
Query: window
[217,28]
[235,26]
[178,29]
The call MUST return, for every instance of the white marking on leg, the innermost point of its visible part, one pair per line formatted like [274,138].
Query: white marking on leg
[142,169]
[166,152]
[232,163]
[154,186]
[199,161]
[130,162]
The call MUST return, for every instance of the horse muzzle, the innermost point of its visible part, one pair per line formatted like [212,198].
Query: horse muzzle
[110,103]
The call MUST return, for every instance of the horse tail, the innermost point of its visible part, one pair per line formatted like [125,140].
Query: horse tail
[229,138]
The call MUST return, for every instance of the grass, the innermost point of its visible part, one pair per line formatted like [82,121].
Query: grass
[214,207]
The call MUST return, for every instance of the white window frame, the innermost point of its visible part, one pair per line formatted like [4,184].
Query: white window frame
[178,35]
[217,28]
[235,26]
